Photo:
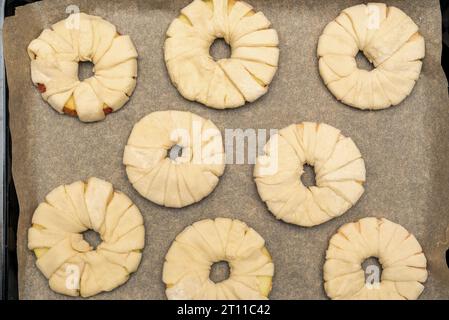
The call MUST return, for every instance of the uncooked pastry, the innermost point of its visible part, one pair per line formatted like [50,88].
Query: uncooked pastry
[388,38]
[70,264]
[55,57]
[226,83]
[339,174]
[174,181]
[399,253]
[190,257]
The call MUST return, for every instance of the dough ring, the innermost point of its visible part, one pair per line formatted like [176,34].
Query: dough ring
[181,181]
[226,83]
[339,174]
[55,57]
[399,253]
[388,38]
[70,264]
[190,257]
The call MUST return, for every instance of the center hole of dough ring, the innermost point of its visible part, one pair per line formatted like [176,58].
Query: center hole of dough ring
[285,181]
[308,177]
[221,53]
[157,169]
[362,62]
[88,72]
[176,152]
[220,49]
[219,271]
[398,271]
[373,271]
[87,238]
[247,274]
[92,238]
[85,70]
[388,38]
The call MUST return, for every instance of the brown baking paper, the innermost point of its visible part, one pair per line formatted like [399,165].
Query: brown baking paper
[406,148]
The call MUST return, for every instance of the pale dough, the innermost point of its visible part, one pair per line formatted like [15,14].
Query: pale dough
[70,264]
[55,57]
[388,38]
[399,253]
[174,182]
[190,257]
[339,174]
[226,83]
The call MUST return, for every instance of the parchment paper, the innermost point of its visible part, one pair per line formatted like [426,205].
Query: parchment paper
[406,148]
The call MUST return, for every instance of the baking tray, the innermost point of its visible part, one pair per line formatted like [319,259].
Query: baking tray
[8,198]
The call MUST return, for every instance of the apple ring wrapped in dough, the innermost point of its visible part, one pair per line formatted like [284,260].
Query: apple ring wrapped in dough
[191,255]
[174,181]
[339,171]
[226,83]
[399,253]
[390,41]
[72,266]
[55,56]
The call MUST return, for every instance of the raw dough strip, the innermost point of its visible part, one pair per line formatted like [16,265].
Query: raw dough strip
[55,56]
[388,38]
[339,170]
[70,264]
[226,83]
[399,253]
[185,180]
[191,255]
